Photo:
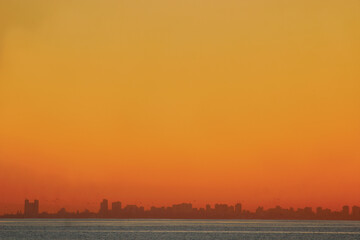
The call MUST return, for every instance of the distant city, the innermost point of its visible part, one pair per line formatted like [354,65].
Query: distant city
[187,211]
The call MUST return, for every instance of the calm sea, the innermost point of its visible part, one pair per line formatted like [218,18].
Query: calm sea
[177,229]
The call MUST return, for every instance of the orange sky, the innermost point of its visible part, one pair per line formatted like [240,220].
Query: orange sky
[161,102]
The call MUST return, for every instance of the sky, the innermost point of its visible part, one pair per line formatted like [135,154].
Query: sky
[161,102]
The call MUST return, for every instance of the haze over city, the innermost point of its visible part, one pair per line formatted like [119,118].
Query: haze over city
[116,210]
[185,101]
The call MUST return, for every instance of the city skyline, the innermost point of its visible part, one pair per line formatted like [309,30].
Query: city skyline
[187,211]
[165,101]
[242,110]
[53,206]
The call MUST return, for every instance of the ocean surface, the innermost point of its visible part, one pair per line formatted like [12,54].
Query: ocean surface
[177,229]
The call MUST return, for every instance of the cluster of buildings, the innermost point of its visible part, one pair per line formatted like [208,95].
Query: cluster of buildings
[31,209]
[187,211]
[182,210]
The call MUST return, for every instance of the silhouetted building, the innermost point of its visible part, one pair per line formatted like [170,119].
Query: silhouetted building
[238,209]
[186,211]
[116,209]
[104,208]
[319,210]
[260,211]
[131,211]
[355,212]
[224,211]
[345,211]
[62,213]
[182,209]
[157,212]
[31,209]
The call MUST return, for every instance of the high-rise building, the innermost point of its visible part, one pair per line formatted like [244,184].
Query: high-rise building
[355,211]
[31,209]
[27,207]
[346,210]
[104,208]
[116,209]
[208,207]
[238,209]
[36,207]
[319,210]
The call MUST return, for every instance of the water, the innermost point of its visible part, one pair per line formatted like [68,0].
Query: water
[177,229]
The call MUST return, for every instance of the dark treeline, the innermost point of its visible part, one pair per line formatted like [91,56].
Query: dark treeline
[187,211]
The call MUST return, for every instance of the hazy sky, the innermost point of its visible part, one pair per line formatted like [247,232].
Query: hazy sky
[161,102]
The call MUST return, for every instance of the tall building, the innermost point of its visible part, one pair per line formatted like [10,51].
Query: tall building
[116,209]
[355,211]
[223,210]
[346,210]
[238,209]
[182,209]
[31,209]
[36,207]
[104,208]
